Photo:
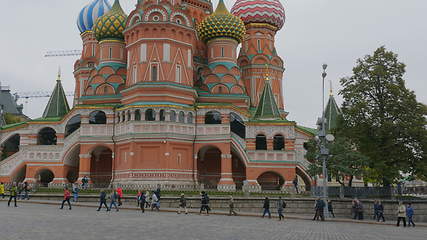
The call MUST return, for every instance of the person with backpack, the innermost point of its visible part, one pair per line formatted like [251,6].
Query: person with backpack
[204,203]
[67,196]
[182,204]
[266,207]
[102,200]
[113,199]
[231,207]
[13,194]
[142,201]
[281,205]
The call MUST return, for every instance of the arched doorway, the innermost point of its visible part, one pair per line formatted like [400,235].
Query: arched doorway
[101,165]
[71,164]
[239,170]
[10,146]
[72,125]
[209,166]
[270,181]
[46,136]
[44,177]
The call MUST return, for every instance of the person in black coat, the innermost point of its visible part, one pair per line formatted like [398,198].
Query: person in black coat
[204,203]
[102,200]
[266,207]
[380,209]
[319,208]
[331,208]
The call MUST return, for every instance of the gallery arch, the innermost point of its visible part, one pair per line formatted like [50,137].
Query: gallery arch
[101,166]
[271,181]
[44,177]
[10,146]
[72,125]
[97,117]
[209,166]
[46,136]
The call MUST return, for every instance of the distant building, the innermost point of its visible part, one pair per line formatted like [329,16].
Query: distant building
[163,96]
[9,106]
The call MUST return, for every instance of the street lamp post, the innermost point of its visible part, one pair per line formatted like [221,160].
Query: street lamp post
[324,151]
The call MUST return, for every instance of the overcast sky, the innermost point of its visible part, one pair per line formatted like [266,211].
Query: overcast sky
[316,31]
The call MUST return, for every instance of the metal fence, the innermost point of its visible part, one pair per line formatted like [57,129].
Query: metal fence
[369,192]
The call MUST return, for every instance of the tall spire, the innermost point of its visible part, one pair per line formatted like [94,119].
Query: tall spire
[331,93]
[267,107]
[58,104]
[332,111]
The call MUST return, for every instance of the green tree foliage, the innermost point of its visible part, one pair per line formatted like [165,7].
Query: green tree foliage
[10,118]
[384,119]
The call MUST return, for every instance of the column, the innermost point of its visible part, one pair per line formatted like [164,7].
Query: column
[84,166]
[226,182]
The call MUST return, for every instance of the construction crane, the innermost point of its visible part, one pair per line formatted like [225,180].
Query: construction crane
[39,94]
[63,53]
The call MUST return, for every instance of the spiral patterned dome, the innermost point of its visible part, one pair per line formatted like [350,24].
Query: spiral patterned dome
[221,23]
[90,13]
[260,11]
[112,24]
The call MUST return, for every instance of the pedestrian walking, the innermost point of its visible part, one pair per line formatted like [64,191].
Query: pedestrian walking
[102,200]
[380,209]
[26,190]
[142,201]
[376,204]
[2,190]
[266,207]
[76,191]
[359,210]
[182,204]
[410,214]
[155,203]
[281,205]
[147,199]
[231,207]
[401,214]
[138,197]
[13,190]
[331,208]
[319,208]
[295,182]
[113,200]
[204,203]
[353,208]
[120,195]
[67,196]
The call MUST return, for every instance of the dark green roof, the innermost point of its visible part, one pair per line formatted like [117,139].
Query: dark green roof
[12,125]
[58,104]
[332,111]
[267,106]
[312,131]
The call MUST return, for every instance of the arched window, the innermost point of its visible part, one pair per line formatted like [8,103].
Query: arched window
[190,118]
[129,116]
[181,117]
[150,115]
[137,115]
[278,142]
[173,116]
[261,142]
[213,117]
[118,117]
[72,125]
[46,136]
[237,125]
[97,117]
[162,115]
[123,116]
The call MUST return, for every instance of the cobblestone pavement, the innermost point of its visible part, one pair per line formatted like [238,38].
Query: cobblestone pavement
[40,222]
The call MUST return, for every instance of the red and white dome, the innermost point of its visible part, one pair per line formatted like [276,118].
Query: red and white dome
[260,11]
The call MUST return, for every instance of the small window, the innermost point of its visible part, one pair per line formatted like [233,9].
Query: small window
[172,116]
[129,116]
[178,73]
[178,21]
[135,74]
[278,143]
[137,115]
[190,118]
[222,52]
[162,115]
[261,142]
[156,18]
[110,54]
[213,117]
[154,72]
[93,50]
[259,44]
[179,159]
[97,117]
[181,117]
[150,115]
[123,116]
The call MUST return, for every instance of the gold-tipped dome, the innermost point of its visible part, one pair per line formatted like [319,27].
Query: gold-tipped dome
[112,24]
[221,23]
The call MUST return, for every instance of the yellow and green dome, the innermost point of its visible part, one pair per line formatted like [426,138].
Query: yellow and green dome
[221,24]
[112,24]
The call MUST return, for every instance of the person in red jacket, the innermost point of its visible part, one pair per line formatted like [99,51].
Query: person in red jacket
[120,193]
[67,196]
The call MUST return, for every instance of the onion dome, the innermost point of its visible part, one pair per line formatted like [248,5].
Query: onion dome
[221,23]
[90,13]
[112,24]
[260,11]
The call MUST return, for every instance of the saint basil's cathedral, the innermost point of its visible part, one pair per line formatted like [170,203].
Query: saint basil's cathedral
[167,96]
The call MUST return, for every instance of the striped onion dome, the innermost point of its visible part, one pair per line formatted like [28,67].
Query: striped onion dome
[260,11]
[90,13]
[221,23]
[112,24]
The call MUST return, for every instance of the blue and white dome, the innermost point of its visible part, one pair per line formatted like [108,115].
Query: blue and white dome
[90,13]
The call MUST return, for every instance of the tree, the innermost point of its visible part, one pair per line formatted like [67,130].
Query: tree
[384,119]
[344,161]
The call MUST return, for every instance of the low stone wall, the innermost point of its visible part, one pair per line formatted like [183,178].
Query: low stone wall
[295,206]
